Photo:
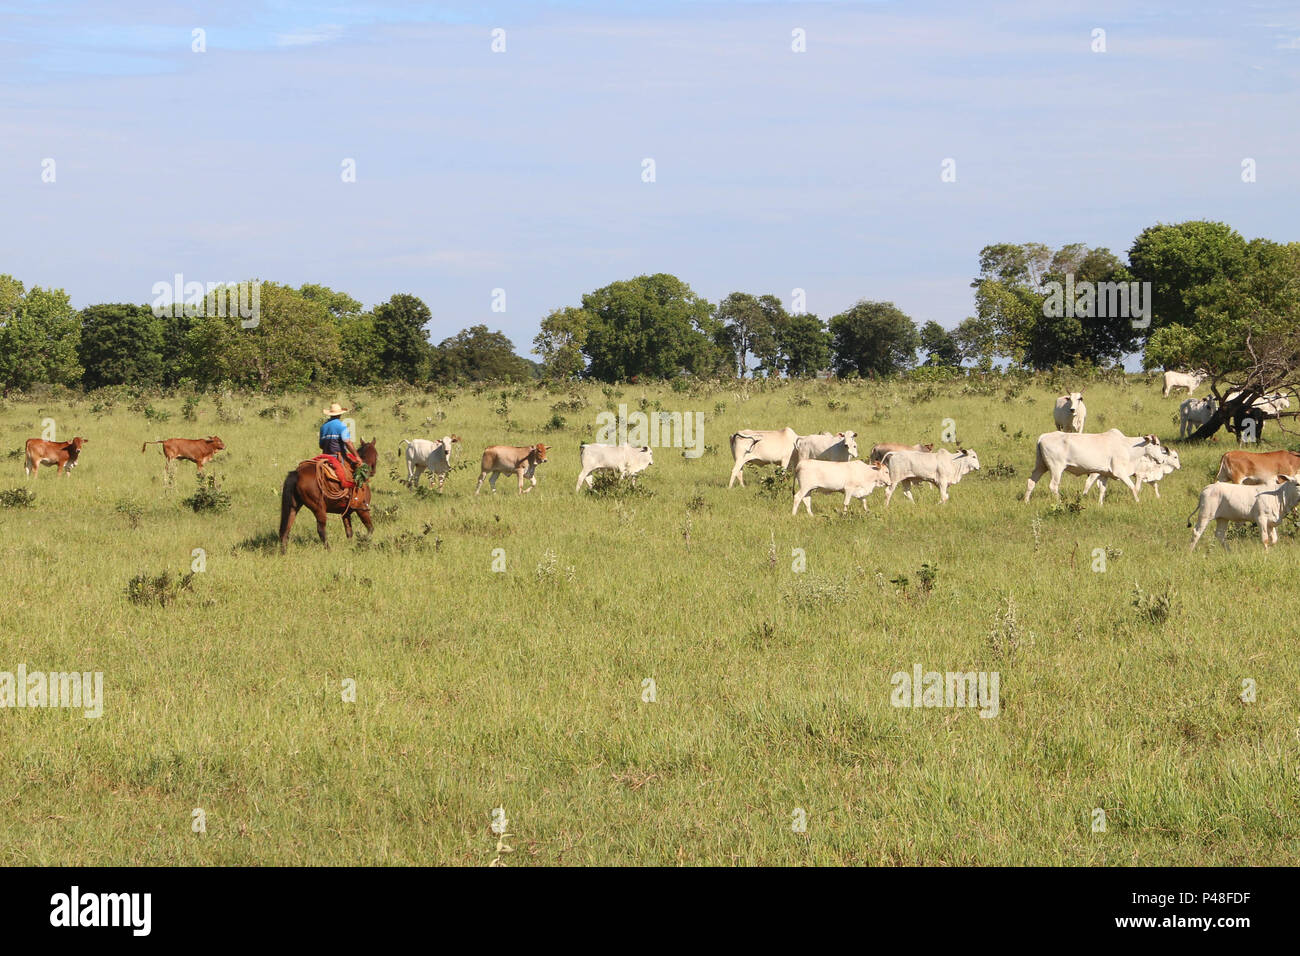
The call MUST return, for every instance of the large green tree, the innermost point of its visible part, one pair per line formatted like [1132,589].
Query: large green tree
[121,344]
[1051,308]
[652,326]
[560,342]
[294,344]
[1243,330]
[477,355]
[40,333]
[805,345]
[939,345]
[873,339]
[1178,260]
[404,352]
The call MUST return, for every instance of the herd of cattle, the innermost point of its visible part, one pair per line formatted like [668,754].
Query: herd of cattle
[1256,487]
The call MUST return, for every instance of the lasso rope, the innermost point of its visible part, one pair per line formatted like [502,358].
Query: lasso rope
[360,475]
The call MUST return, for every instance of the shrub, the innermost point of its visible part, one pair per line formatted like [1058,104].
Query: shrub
[130,510]
[610,484]
[162,589]
[208,496]
[17,498]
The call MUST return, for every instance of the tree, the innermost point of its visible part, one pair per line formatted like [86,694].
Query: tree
[338,303]
[294,344]
[1027,295]
[1243,330]
[121,344]
[360,348]
[40,333]
[1179,259]
[560,342]
[939,345]
[873,339]
[749,327]
[652,326]
[804,344]
[477,355]
[404,353]
[977,340]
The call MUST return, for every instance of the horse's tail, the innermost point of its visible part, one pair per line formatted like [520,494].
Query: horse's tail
[288,496]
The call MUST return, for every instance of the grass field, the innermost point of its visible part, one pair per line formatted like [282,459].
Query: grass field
[1120,689]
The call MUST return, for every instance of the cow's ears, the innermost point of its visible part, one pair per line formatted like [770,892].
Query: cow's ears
[645,447]
[455,438]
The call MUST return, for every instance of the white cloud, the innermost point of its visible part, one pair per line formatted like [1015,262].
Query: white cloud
[309,36]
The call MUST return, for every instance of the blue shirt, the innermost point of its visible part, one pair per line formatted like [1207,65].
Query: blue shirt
[332,436]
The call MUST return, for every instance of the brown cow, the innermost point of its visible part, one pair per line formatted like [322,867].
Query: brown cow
[511,459]
[61,453]
[878,452]
[198,450]
[1257,467]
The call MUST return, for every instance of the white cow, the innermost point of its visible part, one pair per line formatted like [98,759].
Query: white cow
[1146,471]
[940,468]
[1223,503]
[1109,454]
[841,446]
[432,456]
[1269,405]
[764,447]
[627,460]
[1188,380]
[1070,412]
[855,478]
[1195,412]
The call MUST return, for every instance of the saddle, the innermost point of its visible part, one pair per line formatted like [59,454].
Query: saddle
[336,470]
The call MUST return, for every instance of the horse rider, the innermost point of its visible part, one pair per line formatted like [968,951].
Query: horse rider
[336,440]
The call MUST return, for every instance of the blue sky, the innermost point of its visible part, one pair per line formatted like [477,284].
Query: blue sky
[522,170]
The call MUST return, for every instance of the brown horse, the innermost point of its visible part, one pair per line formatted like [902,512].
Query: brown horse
[303,489]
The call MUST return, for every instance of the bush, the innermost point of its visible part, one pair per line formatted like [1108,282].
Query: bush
[17,498]
[208,496]
[130,510]
[610,484]
[163,589]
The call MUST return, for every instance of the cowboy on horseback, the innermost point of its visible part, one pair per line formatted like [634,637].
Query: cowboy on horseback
[336,440]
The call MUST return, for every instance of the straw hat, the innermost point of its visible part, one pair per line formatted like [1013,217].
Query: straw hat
[335,409]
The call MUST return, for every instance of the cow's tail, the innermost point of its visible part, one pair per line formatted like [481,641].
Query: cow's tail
[1224,474]
[287,499]
[404,441]
[146,445]
[1195,511]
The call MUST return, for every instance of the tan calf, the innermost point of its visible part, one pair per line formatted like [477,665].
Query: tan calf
[511,459]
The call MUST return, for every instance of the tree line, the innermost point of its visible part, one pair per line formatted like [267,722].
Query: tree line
[1217,302]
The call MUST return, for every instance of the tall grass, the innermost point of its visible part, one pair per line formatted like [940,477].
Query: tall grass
[524,689]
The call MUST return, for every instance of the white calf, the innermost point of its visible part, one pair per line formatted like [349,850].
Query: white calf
[1223,503]
[855,478]
[432,456]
